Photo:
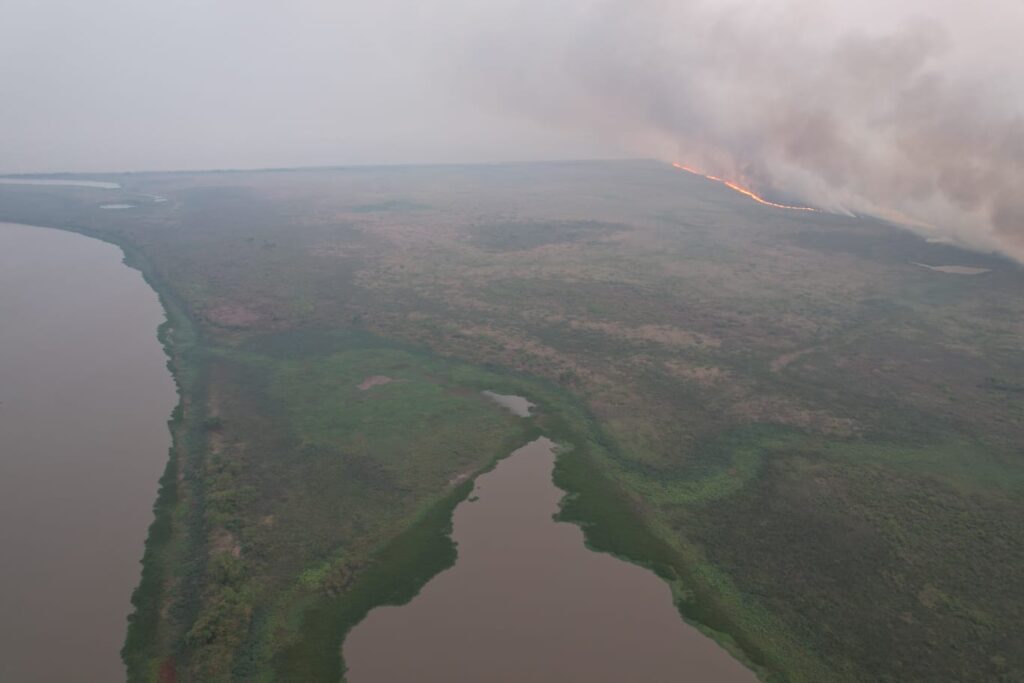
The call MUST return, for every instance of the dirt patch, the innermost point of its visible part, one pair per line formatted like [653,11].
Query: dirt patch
[373,381]
[780,363]
[704,375]
[223,541]
[525,354]
[232,315]
[168,672]
[666,335]
[779,410]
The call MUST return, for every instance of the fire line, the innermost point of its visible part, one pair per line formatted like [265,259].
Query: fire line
[742,190]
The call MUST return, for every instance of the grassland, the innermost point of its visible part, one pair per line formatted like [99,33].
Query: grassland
[813,439]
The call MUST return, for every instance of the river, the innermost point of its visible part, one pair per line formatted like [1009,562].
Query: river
[84,399]
[527,601]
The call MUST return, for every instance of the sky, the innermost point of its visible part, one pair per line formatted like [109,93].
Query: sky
[907,109]
[142,85]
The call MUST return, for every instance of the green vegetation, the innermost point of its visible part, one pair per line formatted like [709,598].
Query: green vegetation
[813,440]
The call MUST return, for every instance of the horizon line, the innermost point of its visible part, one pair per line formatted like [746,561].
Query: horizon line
[327,167]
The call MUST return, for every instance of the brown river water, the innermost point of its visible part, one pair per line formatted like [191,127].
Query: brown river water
[84,400]
[527,602]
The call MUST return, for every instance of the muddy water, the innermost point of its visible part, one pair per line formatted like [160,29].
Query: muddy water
[955,270]
[101,184]
[517,404]
[526,602]
[84,400]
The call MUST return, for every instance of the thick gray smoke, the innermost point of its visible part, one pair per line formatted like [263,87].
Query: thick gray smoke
[907,110]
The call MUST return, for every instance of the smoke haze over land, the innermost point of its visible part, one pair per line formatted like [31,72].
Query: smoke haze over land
[910,110]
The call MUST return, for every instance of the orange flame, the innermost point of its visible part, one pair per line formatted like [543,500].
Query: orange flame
[742,190]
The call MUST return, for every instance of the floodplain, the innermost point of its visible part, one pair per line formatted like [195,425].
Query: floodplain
[811,439]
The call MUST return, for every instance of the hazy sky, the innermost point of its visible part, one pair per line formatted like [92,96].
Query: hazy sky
[907,108]
[140,84]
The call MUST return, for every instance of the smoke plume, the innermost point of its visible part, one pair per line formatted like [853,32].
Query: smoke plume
[908,110]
